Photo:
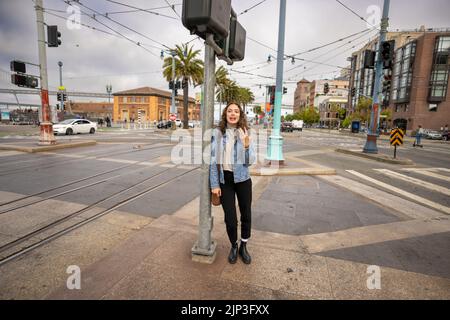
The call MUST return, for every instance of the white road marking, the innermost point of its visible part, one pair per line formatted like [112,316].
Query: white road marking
[426,172]
[424,184]
[388,201]
[118,160]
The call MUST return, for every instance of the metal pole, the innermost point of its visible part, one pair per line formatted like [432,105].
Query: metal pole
[46,127]
[172,107]
[205,246]
[275,152]
[60,64]
[372,132]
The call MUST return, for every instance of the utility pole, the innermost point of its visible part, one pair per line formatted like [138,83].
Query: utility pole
[205,246]
[109,91]
[60,64]
[372,133]
[173,109]
[275,152]
[46,127]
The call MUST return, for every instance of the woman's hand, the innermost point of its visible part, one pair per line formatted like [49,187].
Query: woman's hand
[217,192]
[245,138]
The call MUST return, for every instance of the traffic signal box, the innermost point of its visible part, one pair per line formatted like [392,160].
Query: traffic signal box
[202,17]
[53,36]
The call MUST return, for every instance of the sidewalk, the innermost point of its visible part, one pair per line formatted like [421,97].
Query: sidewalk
[315,249]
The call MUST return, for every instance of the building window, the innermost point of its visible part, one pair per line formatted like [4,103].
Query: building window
[138,99]
[146,99]
[403,72]
[440,70]
[161,101]
[120,99]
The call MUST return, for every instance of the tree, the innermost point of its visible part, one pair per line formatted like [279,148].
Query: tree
[362,109]
[189,69]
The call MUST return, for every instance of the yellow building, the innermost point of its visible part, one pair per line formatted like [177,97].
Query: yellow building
[152,104]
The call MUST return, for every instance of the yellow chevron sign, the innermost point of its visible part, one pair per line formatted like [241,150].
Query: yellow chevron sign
[397,136]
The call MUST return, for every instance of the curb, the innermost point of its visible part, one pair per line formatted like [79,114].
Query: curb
[47,148]
[376,157]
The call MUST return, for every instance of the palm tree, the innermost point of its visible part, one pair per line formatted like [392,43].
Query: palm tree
[188,68]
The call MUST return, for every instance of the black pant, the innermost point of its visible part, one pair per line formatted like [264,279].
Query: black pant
[243,191]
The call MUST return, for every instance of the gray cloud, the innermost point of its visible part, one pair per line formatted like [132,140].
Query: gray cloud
[93,59]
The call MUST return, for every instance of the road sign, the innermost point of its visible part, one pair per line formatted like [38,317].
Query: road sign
[397,136]
[173,117]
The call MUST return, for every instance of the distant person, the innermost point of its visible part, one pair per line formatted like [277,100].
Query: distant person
[419,133]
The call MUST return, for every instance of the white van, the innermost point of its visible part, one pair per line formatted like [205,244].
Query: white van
[297,125]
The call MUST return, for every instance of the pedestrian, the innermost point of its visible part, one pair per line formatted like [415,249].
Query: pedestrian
[418,140]
[232,153]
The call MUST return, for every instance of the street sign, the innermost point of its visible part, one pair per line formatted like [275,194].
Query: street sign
[173,117]
[397,136]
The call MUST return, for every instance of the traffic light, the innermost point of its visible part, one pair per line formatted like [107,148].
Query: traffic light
[178,85]
[176,92]
[369,59]
[326,88]
[64,96]
[284,90]
[18,66]
[24,81]
[53,36]
[237,37]
[387,81]
[59,96]
[387,54]
[353,92]
[207,16]
[171,85]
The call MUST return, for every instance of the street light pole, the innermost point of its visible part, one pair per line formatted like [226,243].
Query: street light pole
[205,247]
[372,132]
[275,152]
[60,64]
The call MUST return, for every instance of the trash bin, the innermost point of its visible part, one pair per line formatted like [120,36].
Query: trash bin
[356,125]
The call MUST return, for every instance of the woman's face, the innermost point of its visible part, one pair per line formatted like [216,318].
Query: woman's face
[233,114]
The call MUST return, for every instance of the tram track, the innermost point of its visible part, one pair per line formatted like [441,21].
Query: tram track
[7,254]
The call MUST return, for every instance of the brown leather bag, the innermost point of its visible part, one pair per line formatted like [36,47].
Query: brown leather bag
[215,199]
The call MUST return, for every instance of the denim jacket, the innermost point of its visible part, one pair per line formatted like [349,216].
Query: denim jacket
[243,159]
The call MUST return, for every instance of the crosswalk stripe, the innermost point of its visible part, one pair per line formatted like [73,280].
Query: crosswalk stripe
[402,192]
[428,174]
[424,184]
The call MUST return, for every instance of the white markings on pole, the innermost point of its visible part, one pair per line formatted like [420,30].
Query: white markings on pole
[424,184]
[402,192]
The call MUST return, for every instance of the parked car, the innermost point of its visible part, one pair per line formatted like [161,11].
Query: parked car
[287,127]
[179,123]
[75,126]
[164,124]
[433,135]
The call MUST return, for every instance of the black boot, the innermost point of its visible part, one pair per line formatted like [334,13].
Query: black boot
[232,258]
[244,253]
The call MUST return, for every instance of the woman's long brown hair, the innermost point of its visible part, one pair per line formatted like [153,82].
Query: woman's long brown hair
[242,123]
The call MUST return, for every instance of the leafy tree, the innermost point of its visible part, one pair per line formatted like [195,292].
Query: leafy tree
[189,69]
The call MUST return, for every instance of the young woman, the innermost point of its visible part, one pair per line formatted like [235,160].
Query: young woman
[232,154]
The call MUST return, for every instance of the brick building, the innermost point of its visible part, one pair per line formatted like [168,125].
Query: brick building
[152,104]
[418,94]
[301,96]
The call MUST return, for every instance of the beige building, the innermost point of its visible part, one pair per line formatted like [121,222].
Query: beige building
[329,111]
[151,105]
[337,88]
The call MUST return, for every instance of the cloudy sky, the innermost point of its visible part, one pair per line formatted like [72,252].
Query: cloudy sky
[92,59]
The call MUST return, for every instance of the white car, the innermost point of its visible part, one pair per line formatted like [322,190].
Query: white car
[75,126]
